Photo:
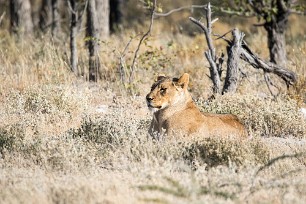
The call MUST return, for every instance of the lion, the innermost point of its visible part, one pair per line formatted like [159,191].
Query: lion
[175,112]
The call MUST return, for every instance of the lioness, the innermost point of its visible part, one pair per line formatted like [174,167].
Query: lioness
[175,112]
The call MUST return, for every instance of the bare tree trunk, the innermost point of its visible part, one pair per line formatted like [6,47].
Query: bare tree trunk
[55,19]
[277,44]
[92,36]
[275,26]
[21,20]
[102,13]
[73,34]
[232,73]
[45,15]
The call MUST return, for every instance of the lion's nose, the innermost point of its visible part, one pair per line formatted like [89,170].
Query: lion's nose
[149,98]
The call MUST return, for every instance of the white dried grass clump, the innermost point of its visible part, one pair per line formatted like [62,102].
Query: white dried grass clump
[42,109]
[263,116]
[110,158]
[303,111]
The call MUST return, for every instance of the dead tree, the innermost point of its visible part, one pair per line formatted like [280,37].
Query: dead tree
[21,20]
[232,72]
[247,55]
[273,16]
[92,40]
[237,49]
[215,67]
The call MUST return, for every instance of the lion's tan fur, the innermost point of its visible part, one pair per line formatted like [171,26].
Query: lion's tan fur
[175,112]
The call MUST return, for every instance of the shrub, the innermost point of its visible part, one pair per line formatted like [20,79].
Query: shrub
[216,151]
[10,137]
[263,116]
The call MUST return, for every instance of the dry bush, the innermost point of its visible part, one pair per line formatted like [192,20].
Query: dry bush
[262,116]
[225,151]
[45,109]
[109,158]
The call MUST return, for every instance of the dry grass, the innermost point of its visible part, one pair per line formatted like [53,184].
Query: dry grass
[64,140]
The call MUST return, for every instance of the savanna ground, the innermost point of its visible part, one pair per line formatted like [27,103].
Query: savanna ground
[65,140]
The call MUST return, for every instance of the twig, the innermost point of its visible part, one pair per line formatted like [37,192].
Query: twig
[1,17]
[140,42]
[178,9]
[71,9]
[223,36]
[79,17]
[274,160]
[247,55]
[122,60]
[269,82]
[270,163]
[302,162]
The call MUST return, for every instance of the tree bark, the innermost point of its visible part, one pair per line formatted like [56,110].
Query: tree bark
[55,19]
[276,25]
[277,43]
[73,34]
[21,20]
[45,15]
[215,68]
[92,41]
[103,10]
[232,73]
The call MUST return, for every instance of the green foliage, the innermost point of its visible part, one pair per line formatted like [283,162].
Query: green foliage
[154,59]
[266,10]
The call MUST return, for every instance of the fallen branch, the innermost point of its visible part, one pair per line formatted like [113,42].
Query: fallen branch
[247,55]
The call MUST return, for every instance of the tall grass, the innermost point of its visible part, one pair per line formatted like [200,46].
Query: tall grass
[63,139]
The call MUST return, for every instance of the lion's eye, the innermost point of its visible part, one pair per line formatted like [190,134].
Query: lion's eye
[163,90]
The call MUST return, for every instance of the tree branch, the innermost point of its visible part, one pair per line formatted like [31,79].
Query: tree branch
[1,17]
[247,55]
[274,160]
[141,40]
[210,53]
[178,9]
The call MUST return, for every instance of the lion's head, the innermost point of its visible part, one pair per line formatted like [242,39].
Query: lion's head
[167,92]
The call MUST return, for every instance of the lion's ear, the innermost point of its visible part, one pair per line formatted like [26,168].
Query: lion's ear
[183,81]
[160,77]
